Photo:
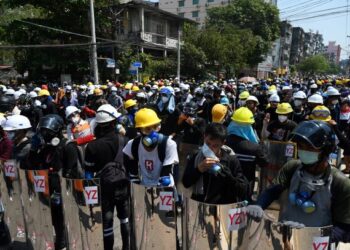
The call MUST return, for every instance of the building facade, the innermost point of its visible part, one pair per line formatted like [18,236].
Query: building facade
[332,52]
[297,47]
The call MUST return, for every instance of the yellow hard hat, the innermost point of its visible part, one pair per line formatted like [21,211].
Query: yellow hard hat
[338,82]
[244,95]
[44,92]
[90,84]
[146,117]
[243,115]
[218,112]
[284,108]
[321,113]
[128,86]
[272,87]
[135,89]
[98,92]
[129,103]
[104,87]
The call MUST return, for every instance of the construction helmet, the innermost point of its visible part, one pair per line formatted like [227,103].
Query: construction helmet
[243,115]
[218,113]
[315,98]
[129,103]
[284,108]
[98,92]
[244,95]
[331,91]
[274,98]
[16,122]
[299,95]
[44,92]
[321,113]
[253,98]
[106,113]
[71,110]
[146,117]
[10,92]
[135,89]
[128,86]
[104,87]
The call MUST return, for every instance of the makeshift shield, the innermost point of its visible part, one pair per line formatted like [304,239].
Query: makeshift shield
[153,217]
[11,208]
[83,214]
[37,210]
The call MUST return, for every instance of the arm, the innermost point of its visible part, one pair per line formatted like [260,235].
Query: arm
[239,181]
[131,167]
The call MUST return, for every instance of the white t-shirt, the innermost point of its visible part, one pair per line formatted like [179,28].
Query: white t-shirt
[149,163]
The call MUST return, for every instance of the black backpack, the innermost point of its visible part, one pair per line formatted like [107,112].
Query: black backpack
[113,176]
[161,148]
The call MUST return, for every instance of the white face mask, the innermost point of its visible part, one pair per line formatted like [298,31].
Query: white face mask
[298,103]
[334,102]
[308,157]
[37,103]
[165,99]
[75,120]
[282,118]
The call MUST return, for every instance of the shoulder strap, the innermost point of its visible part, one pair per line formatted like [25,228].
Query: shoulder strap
[162,148]
[119,156]
[135,148]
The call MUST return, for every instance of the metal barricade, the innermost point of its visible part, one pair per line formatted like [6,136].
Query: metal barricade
[153,218]
[83,213]
[37,210]
[11,209]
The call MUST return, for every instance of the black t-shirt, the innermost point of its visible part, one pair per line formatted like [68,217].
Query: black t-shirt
[280,131]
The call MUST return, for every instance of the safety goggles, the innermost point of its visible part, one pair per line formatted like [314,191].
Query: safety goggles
[320,113]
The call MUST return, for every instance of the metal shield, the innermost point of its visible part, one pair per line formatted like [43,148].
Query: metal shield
[37,210]
[269,234]
[11,209]
[278,154]
[82,211]
[153,217]
[209,226]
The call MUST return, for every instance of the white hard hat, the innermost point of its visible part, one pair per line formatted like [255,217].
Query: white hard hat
[33,94]
[17,94]
[312,81]
[83,87]
[4,89]
[332,92]
[9,92]
[286,87]
[313,86]
[299,94]
[106,113]
[141,95]
[91,87]
[252,98]
[16,122]
[176,90]
[315,98]
[186,87]
[114,89]
[37,89]
[70,110]
[274,98]
[23,91]
[68,88]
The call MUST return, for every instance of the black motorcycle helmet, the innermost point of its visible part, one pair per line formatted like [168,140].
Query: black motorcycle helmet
[50,127]
[190,109]
[318,134]
[7,103]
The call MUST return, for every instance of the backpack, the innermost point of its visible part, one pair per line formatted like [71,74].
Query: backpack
[113,176]
[161,148]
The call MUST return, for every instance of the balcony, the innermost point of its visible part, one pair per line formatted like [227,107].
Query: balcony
[159,40]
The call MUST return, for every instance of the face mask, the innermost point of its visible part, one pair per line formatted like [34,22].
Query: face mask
[334,102]
[114,93]
[37,103]
[207,152]
[43,106]
[308,157]
[75,120]
[282,118]
[298,103]
[11,135]
[151,140]
[165,99]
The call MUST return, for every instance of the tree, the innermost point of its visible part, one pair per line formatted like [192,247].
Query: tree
[313,65]
[261,18]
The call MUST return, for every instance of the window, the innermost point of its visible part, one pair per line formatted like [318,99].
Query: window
[181,3]
[182,14]
[194,13]
[195,2]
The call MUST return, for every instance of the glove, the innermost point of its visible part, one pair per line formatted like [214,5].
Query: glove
[292,224]
[255,211]
[89,175]
[164,181]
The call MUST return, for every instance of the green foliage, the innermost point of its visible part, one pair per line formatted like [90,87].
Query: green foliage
[316,64]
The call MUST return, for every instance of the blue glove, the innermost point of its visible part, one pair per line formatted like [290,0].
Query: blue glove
[89,175]
[165,181]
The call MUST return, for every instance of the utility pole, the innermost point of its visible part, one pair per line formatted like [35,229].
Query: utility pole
[179,54]
[93,45]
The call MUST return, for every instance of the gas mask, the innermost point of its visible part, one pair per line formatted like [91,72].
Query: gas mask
[208,153]
[151,140]
[49,138]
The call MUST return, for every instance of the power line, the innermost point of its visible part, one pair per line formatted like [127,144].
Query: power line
[314,12]
[40,46]
[317,16]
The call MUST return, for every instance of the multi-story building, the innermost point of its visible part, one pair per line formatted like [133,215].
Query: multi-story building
[332,52]
[313,44]
[297,47]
